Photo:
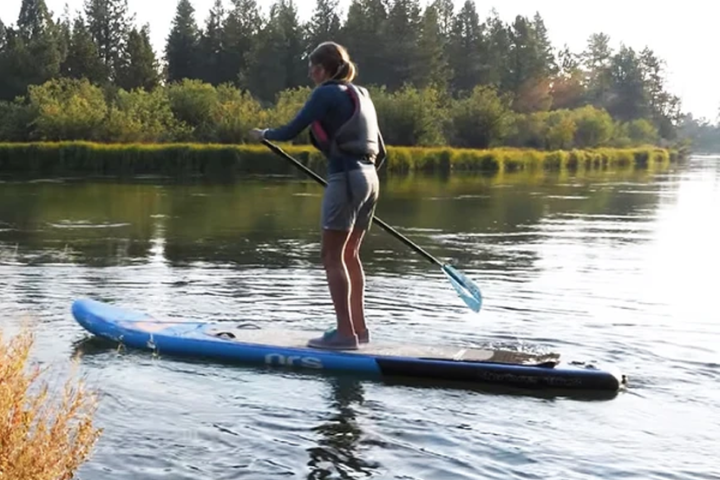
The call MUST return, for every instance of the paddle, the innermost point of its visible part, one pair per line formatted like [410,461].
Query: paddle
[466,288]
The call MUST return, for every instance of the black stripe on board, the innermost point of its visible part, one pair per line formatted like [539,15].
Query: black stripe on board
[497,374]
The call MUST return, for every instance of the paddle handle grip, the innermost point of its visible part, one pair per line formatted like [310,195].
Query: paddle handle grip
[384,225]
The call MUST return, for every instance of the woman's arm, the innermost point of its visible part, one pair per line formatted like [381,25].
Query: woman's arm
[314,109]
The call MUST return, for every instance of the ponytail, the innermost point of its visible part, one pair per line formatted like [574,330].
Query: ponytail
[334,58]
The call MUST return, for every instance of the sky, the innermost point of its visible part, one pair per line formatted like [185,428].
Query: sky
[684,34]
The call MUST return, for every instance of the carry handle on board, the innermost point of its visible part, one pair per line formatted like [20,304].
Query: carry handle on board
[468,291]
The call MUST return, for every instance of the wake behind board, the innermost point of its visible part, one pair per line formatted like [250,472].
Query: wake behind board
[286,347]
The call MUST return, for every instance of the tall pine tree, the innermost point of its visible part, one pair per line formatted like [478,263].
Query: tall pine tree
[277,59]
[543,46]
[496,51]
[432,68]
[402,31]
[629,99]
[465,49]
[140,68]
[596,63]
[34,19]
[32,53]
[531,64]
[182,47]
[664,106]
[211,46]
[109,24]
[240,31]
[83,60]
[293,51]
[324,25]
[363,35]
[526,62]
[445,11]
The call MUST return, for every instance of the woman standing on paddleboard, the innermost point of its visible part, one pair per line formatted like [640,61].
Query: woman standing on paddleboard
[344,127]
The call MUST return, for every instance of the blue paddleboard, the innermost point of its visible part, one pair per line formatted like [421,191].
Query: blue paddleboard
[287,348]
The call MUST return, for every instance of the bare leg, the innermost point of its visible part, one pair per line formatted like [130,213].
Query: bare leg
[333,246]
[357,280]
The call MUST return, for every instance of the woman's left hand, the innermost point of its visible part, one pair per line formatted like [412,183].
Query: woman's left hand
[257,133]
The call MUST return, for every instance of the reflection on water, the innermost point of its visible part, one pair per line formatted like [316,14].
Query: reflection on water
[339,436]
[602,267]
[258,222]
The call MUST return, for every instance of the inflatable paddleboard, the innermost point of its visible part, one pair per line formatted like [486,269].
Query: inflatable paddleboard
[287,348]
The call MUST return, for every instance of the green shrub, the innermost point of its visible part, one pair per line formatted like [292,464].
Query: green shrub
[67,109]
[411,117]
[196,112]
[142,117]
[594,127]
[482,119]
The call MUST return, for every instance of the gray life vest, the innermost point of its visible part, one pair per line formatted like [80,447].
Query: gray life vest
[360,135]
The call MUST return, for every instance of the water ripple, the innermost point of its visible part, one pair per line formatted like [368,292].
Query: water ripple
[602,271]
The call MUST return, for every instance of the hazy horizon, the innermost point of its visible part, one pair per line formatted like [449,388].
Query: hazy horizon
[641,24]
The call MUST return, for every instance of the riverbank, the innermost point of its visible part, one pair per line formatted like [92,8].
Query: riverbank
[87,158]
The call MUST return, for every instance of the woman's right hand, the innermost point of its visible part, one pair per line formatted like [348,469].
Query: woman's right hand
[257,134]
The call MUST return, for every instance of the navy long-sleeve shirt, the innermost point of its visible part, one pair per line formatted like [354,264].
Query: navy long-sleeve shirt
[332,107]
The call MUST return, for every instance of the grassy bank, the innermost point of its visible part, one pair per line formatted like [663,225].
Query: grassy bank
[214,159]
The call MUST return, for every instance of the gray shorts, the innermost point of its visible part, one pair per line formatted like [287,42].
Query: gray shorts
[345,212]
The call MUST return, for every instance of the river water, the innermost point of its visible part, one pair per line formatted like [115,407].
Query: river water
[616,268]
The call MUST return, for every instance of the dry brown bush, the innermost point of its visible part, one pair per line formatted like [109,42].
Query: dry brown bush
[44,435]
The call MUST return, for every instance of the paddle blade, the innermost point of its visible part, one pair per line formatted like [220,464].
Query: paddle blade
[466,288]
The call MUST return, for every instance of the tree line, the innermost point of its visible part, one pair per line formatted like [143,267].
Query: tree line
[439,76]
[703,135]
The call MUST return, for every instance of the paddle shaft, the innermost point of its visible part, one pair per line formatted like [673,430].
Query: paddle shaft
[384,225]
